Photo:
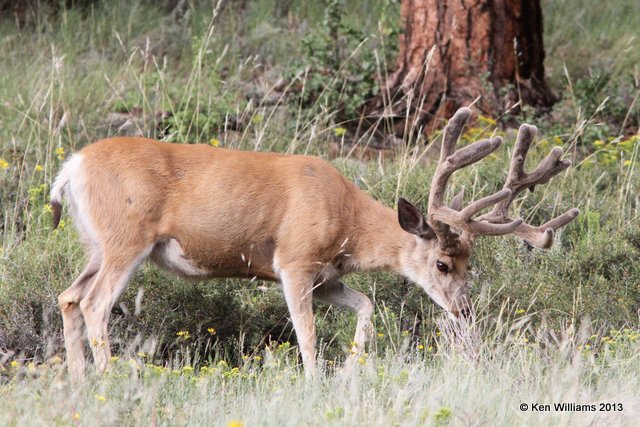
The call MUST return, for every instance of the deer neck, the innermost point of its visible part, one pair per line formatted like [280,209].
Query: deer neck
[379,241]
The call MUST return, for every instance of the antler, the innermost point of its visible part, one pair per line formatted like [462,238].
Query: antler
[518,180]
[496,222]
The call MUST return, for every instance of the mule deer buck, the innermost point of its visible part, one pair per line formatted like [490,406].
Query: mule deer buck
[202,212]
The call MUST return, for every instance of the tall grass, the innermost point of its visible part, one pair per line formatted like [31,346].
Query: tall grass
[461,379]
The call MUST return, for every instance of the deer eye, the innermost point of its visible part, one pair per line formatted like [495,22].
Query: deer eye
[442,266]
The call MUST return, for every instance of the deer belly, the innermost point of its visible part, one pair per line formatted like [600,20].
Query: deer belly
[219,261]
[170,256]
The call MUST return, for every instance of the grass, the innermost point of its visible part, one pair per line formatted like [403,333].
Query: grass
[466,381]
[555,326]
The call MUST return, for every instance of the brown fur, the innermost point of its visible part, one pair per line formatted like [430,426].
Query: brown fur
[221,204]
[200,212]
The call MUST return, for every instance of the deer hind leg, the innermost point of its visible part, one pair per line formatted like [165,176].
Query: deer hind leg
[298,292]
[108,285]
[341,295]
[73,323]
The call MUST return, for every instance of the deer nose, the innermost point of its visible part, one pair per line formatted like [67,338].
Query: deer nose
[462,311]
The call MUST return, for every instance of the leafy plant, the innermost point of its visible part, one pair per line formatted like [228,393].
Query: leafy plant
[339,65]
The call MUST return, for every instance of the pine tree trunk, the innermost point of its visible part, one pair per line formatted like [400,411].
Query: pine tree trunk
[455,51]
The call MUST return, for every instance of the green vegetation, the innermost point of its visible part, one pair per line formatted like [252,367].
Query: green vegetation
[483,383]
[557,325]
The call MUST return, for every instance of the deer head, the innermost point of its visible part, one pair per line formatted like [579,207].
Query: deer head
[444,238]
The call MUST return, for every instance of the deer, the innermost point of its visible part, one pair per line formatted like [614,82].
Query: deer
[202,212]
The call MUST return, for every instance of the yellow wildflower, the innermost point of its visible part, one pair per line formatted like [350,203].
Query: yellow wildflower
[405,333]
[100,397]
[3,163]
[94,342]
[380,335]
[339,131]
[487,120]
[76,416]
[235,423]
[520,311]
[284,346]
[420,347]
[55,360]
[212,331]
[60,153]
[185,335]
[14,363]
[215,142]
[38,168]
[134,364]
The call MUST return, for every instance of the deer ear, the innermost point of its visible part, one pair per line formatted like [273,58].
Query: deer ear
[412,221]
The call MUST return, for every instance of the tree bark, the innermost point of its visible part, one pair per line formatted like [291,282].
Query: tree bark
[453,52]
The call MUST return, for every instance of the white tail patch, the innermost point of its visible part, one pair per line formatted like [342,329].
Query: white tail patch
[71,181]
[64,177]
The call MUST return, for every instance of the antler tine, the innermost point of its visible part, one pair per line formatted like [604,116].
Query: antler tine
[441,217]
[452,133]
[542,236]
[518,180]
[451,160]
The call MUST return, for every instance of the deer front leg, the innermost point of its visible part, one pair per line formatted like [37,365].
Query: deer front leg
[298,292]
[343,296]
